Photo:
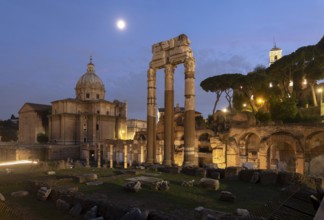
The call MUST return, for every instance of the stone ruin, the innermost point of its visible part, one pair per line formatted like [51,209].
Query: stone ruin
[167,55]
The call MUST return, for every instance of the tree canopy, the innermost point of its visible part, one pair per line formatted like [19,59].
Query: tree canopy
[290,77]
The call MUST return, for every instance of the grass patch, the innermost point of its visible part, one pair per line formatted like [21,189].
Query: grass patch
[249,196]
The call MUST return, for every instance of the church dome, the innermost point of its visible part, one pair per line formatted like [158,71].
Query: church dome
[90,86]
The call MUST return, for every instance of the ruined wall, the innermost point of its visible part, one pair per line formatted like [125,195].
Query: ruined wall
[289,147]
[62,152]
[13,151]
[7,151]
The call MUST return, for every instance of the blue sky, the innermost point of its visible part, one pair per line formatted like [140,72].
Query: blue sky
[45,45]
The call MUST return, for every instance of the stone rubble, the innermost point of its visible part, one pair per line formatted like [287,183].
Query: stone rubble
[43,193]
[92,213]
[189,183]
[162,186]
[20,193]
[209,183]
[94,183]
[227,196]
[133,186]
[135,214]
[62,204]
[242,212]
[88,177]
[2,198]
[51,173]
[76,210]
[255,178]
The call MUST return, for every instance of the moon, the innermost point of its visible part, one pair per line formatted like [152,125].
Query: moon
[121,24]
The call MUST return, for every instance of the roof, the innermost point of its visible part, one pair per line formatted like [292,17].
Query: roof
[275,48]
[36,107]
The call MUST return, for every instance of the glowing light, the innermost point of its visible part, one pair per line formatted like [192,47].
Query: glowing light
[18,162]
[244,104]
[121,24]
[305,82]
[270,85]
[224,110]
[260,101]
[319,90]
[291,83]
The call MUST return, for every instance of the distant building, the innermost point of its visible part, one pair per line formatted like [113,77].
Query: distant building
[88,118]
[135,125]
[274,54]
[32,121]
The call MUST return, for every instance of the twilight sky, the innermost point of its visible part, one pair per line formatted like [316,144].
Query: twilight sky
[45,45]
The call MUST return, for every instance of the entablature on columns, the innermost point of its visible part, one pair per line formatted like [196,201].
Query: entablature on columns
[174,51]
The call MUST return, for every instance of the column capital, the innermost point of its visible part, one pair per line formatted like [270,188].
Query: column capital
[169,68]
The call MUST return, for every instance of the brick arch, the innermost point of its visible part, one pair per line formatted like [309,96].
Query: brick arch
[283,137]
[140,136]
[282,149]
[204,142]
[249,144]
[310,138]
[315,144]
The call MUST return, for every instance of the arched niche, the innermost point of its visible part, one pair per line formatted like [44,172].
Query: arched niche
[282,149]
[315,157]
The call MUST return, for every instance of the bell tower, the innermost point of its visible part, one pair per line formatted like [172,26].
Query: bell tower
[274,54]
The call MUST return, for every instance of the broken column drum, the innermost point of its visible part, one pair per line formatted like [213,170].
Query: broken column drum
[168,54]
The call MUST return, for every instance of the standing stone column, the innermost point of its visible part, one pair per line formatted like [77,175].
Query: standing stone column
[141,159]
[130,156]
[300,163]
[88,156]
[125,156]
[190,151]
[151,114]
[263,156]
[168,113]
[111,156]
[99,155]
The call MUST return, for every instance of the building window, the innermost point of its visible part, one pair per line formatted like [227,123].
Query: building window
[97,96]
[97,127]
[85,140]
[87,95]
[98,112]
